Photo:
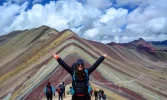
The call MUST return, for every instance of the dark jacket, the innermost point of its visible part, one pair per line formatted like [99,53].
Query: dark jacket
[51,88]
[81,87]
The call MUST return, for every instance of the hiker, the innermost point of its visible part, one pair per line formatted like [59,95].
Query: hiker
[99,94]
[71,90]
[64,88]
[49,91]
[96,94]
[80,76]
[90,90]
[103,96]
[60,91]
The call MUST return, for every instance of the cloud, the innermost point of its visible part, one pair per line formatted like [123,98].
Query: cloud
[10,11]
[108,26]
[147,21]
[99,20]
[91,33]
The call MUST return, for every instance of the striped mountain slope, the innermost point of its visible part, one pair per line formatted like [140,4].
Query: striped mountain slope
[26,65]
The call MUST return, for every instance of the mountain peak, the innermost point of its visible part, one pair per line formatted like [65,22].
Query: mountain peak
[68,31]
[139,41]
[142,44]
[44,26]
[111,43]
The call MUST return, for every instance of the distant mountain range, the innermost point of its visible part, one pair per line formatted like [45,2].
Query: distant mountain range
[141,44]
[132,71]
[159,42]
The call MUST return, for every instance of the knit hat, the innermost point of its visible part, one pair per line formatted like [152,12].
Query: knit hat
[80,62]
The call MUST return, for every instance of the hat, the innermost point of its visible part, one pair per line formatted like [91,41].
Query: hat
[80,62]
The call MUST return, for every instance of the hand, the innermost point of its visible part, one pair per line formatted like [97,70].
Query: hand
[105,55]
[56,56]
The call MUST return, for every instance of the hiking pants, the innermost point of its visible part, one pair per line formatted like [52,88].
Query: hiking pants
[64,93]
[49,97]
[96,97]
[60,96]
[85,97]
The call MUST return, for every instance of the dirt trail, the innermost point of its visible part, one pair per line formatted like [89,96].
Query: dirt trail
[68,97]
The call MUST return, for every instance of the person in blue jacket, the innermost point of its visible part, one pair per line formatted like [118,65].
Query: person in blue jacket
[80,76]
[49,91]
[71,91]
[90,90]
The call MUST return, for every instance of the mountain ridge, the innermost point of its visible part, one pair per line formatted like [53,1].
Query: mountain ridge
[141,44]
[124,72]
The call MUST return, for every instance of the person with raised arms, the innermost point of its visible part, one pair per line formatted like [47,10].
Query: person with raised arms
[80,76]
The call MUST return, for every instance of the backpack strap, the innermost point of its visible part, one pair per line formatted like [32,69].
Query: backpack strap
[73,76]
[86,71]
[89,89]
[87,76]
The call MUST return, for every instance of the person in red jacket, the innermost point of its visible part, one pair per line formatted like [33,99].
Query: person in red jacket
[80,76]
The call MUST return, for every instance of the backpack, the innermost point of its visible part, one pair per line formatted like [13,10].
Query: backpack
[71,91]
[49,90]
[60,89]
[104,97]
[90,89]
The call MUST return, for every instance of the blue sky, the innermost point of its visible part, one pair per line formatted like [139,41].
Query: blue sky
[101,20]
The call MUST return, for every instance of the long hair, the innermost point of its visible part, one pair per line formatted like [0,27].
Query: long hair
[80,73]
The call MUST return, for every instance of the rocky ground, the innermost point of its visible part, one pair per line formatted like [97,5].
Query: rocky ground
[68,97]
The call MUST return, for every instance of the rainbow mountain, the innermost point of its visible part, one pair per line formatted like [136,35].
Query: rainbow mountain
[131,71]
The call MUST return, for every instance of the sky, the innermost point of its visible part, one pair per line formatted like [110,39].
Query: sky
[104,21]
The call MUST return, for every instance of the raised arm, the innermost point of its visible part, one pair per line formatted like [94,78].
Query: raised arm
[63,64]
[96,64]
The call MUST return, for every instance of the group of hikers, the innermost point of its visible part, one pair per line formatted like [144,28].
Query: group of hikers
[49,91]
[99,94]
[80,78]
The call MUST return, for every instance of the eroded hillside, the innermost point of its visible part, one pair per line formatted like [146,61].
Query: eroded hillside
[26,65]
